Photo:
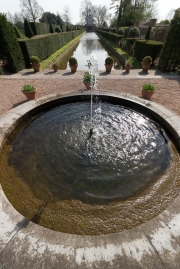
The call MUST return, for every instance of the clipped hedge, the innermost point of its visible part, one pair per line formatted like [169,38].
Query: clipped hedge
[144,48]
[111,36]
[44,45]
[9,47]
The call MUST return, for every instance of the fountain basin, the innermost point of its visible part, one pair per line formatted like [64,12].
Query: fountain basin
[103,217]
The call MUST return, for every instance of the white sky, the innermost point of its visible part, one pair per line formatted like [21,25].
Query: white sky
[53,6]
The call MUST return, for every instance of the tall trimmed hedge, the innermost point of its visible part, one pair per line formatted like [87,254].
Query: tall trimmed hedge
[144,48]
[9,47]
[43,46]
[170,55]
[27,29]
[111,36]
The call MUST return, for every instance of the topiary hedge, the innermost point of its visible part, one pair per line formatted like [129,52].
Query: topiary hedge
[170,55]
[44,46]
[9,47]
[111,36]
[144,48]
[27,29]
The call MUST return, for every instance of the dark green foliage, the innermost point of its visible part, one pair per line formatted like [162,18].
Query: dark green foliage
[51,18]
[114,30]
[40,28]
[34,60]
[170,55]
[147,60]
[58,29]
[134,32]
[111,36]
[1,71]
[120,31]
[27,29]
[51,29]
[72,60]
[143,48]
[109,60]
[17,33]
[9,47]
[148,33]
[44,46]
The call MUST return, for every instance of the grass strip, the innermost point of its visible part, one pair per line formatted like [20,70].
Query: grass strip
[136,63]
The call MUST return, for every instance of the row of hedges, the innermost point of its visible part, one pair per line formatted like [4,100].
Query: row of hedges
[143,48]
[139,48]
[46,28]
[111,36]
[44,45]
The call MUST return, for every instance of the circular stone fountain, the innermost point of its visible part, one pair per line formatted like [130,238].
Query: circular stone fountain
[60,177]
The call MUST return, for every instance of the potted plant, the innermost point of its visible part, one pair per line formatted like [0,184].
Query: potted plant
[35,62]
[146,63]
[55,66]
[29,91]
[147,91]
[88,79]
[109,63]
[128,64]
[73,64]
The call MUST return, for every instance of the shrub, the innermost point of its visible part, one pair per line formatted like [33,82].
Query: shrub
[34,60]
[134,32]
[109,60]
[28,88]
[88,78]
[170,54]
[28,29]
[120,31]
[1,71]
[129,61]
[17,33]
[114,30]
[147,59]
[148,87]
[9,47]
[72,61]
[148,33]
[58,29]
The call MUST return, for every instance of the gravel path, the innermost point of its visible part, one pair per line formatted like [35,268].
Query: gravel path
[47,82]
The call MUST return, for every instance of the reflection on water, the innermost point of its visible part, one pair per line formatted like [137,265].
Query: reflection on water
[88,44]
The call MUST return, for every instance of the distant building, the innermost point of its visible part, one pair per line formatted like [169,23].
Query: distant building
[89,25]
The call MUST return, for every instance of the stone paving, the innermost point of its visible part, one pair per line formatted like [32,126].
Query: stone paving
[23,244]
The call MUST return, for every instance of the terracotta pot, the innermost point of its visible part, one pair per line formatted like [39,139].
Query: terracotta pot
[147,95]
[73,67]
[146,66]
[30,95]
[128,67]
[55,67]
[88,85]
[36,67]
[108,67]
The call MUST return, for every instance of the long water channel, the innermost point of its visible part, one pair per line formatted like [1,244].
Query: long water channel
[89,43]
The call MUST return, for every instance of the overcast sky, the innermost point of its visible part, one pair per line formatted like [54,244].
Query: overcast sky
[54,6]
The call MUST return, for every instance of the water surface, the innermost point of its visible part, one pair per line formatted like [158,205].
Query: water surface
[89,43]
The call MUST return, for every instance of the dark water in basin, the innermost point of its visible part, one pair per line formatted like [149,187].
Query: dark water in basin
[88,44]
[55,156]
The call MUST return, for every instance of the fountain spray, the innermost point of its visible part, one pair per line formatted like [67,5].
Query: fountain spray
[93,71]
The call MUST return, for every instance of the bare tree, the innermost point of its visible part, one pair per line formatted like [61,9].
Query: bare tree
[170,14]
[100,14]
[31,9]
[66,15]
[86,8]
